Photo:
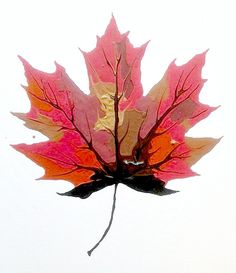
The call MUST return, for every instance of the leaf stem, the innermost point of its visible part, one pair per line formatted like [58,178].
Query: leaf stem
[109,225]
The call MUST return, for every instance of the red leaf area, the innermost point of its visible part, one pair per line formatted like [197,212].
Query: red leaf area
[114,131]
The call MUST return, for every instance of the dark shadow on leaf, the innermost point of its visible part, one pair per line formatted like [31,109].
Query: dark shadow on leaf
[147,184]
[85,190]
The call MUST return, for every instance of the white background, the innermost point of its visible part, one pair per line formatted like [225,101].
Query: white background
[193,231]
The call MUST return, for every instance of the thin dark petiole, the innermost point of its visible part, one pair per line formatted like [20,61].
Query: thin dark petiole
[109,225]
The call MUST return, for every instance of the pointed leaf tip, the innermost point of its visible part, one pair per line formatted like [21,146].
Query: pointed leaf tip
[112,26]
[23,61]
[20,57]
[166,191]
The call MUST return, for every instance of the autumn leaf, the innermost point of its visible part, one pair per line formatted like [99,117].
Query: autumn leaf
[115,134]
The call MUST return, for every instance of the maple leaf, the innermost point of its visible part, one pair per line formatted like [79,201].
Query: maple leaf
[115,134]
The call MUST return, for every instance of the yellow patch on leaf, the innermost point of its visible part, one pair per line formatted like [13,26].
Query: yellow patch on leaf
[105,93]
[159,91]
[43,125]
[199,147]
[128,132]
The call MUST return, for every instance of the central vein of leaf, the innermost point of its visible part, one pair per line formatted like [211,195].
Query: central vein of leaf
[116,111]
